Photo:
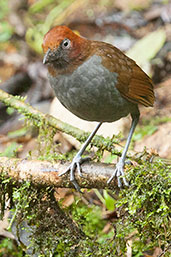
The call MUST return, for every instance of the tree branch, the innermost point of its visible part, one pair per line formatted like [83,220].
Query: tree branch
[44,173]
[35,114]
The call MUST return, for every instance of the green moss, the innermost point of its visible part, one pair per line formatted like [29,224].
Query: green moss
[146,205]
[143,211]
[9,248]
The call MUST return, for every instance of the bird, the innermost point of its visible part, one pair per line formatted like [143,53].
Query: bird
[97,82]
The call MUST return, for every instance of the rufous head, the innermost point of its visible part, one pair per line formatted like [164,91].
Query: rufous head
[61,46]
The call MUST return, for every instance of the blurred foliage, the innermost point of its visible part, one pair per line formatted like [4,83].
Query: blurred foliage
[145,49]
[106,199]
[148,127]
[5,28]
[8,248]
[11,150]
[38,27]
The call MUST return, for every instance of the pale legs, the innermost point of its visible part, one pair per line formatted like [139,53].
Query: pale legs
[119,170]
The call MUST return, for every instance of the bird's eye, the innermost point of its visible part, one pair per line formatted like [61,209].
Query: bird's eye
[66,44]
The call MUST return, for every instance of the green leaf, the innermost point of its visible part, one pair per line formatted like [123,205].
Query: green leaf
[5,31]
[109,201]
[11,150]
[143,131]
[18,133]
[39,5]
[34,39]
[146,48]
[110,158]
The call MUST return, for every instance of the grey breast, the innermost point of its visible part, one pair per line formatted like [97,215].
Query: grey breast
[90,92]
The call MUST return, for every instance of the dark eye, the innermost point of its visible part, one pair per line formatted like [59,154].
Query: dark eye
[66,44]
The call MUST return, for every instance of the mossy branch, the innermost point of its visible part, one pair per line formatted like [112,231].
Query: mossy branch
[30,112]
[44,173]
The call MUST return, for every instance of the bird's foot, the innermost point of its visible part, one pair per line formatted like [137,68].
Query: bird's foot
[75,164]
[119,173]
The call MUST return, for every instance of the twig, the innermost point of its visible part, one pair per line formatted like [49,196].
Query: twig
[165,250]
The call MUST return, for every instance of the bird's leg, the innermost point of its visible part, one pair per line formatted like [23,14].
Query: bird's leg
[119,170]
[78,160]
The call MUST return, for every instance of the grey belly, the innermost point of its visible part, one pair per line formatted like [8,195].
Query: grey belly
[90,93]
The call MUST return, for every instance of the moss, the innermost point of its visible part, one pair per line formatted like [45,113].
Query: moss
[9,248]
[47,223]
[145,205]
[143,211]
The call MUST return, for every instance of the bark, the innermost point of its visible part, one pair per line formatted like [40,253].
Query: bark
[45,173]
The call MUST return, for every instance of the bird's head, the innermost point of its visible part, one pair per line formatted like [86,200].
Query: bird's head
[63,48]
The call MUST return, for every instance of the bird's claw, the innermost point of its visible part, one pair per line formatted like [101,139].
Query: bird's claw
[76,164]
[119,173]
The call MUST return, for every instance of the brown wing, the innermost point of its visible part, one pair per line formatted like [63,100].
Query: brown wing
[138,89]
[133,82]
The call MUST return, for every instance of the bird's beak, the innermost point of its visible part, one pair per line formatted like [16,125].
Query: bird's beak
[46,57]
